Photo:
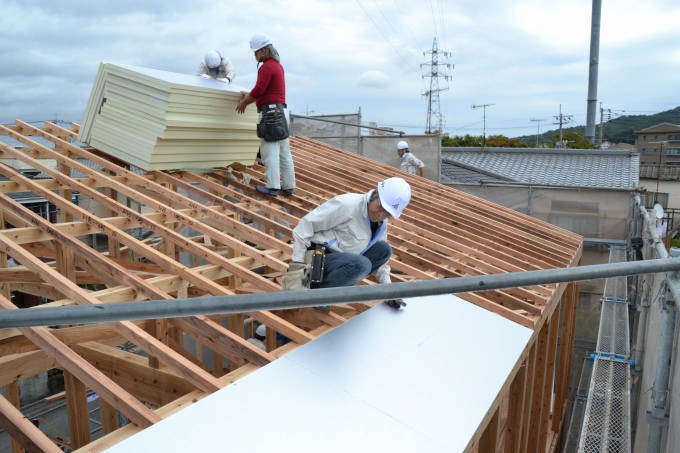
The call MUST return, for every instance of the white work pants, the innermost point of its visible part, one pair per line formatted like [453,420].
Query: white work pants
[278,162]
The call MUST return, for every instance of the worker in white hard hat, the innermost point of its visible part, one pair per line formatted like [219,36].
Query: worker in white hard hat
[352,229]
[215,66]
[409,162]
[259,337]
[269,95]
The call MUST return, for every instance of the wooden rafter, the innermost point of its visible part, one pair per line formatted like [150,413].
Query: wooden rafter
[239,242]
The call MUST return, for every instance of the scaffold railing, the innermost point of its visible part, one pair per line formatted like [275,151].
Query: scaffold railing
[606,421]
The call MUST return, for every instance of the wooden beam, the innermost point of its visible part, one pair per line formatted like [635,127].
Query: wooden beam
[489,440]
[529,397]
[513,437]
[89,375]
[132,373]
[77,411]
[563,372]
[20,366]
[23,430]
[126,328]
[538,386]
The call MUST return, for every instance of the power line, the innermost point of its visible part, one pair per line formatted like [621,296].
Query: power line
[406,62]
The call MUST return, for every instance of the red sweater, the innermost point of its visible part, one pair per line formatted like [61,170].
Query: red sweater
[271,84]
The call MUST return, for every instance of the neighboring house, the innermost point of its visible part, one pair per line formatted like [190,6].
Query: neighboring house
[659,145]
[659,148]
[584,191]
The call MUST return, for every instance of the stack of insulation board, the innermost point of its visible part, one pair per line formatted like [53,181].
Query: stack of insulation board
[158,120]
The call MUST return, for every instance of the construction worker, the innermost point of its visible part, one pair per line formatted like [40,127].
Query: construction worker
[352,228]
[215,66]
[269,94]
[259,337]
[409,162]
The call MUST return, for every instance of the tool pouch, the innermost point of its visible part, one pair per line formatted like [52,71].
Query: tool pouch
[273,125]
[318,261]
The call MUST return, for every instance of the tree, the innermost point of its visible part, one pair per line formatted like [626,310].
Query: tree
[573,139]
[477,141]
[501,141]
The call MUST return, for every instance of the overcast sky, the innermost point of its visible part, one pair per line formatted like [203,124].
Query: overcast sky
[526,57]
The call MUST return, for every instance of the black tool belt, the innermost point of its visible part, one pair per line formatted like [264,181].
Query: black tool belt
[314,246]
[267,107]
[273,125]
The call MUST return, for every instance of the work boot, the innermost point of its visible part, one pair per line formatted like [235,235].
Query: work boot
[267,191]
[288,192]
[396,303]
[323,308]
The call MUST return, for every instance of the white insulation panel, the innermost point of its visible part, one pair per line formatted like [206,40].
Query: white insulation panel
[418,379]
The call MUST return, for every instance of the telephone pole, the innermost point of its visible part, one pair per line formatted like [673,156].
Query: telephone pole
[434,115]
[562,119]
[538,128]
[483,107]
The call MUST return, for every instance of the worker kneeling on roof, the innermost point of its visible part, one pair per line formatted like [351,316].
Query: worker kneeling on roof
[344,240]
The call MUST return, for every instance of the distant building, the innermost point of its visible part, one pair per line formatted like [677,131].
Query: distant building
[659,145]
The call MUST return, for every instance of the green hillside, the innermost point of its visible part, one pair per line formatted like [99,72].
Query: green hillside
[616,130]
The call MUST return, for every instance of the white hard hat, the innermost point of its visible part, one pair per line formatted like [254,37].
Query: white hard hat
[261,330]
[402,145]
[259,41]
[213,59]
[395,193]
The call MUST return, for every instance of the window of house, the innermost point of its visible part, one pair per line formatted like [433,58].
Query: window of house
[673,151]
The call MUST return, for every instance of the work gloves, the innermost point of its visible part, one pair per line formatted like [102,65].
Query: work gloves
[297,277]
[298,274]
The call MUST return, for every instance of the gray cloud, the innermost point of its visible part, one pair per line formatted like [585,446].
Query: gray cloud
[526,58]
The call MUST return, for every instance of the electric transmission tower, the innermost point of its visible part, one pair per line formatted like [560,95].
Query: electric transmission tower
[434,115]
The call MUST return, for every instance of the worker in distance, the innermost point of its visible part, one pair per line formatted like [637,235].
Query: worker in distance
[350,231]
[408,162]
[215,66]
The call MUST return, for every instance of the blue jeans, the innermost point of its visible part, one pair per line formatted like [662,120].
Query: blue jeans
[348,269]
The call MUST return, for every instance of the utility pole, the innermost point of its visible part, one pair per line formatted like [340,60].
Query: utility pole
[482,106]
[602,115]
[433,110]
[562,119]
[538,128]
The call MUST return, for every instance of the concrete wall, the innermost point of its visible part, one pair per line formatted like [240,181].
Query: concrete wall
[376,145]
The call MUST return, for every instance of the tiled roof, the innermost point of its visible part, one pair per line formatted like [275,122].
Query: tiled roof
[572,168]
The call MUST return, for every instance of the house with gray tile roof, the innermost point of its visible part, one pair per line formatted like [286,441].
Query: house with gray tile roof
[584,191]
[603,169]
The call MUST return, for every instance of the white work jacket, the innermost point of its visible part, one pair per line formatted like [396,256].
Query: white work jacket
[343,224]
[410,163]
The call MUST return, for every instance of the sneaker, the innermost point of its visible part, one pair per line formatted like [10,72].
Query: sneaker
[288,192]
[324,308]
[268,191]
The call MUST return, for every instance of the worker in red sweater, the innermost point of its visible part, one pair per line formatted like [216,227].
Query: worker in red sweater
[269,95]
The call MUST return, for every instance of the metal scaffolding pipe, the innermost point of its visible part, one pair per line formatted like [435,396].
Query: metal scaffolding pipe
[243,303]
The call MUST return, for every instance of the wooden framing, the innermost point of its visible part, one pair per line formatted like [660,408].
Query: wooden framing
[162,235]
